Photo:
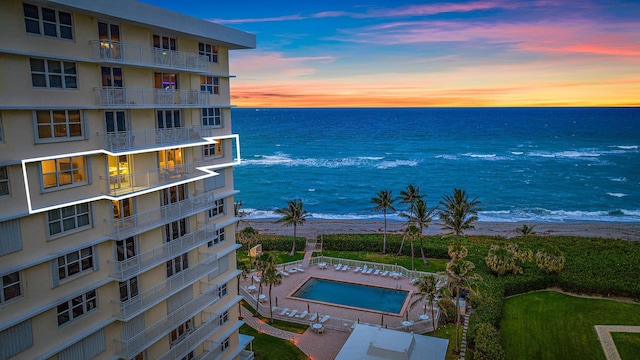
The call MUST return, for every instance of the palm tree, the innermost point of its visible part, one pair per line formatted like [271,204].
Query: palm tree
[271,276]
[412,233]
[526,230]
[238,212]
[409,196]
[248,236]
[427,291]
[551,260]
[458,213]
[422,218]
[500,260]
[460,276]
[295,215]
[384,202]
[262,262]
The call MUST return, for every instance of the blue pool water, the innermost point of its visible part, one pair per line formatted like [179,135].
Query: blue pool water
[355,295]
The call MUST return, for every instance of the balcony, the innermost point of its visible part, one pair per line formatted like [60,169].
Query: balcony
[151,334]
[154,257]
[145,221]
[122,184]
[137,55]
[151,297]
[150,139]
[116,97]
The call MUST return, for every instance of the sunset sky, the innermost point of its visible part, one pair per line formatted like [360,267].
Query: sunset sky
[374,53]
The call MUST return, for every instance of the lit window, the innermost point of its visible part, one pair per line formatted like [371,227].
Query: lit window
[212,150]
[46,73]
[219,237]
[75,263]
[65,171]
[210,84]
[4,181]
[59,124]
[68,218]
[211,117]
[129,289]
[210,51]
[218,208]
[179,333]
[177,264]
[47,22]
[11,287]
[76,307]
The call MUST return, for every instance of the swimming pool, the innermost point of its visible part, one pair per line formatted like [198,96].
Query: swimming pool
[355,295]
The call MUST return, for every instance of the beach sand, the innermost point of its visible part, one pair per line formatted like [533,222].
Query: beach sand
[312,228]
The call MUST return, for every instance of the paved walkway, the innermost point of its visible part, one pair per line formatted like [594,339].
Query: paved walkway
[604,334]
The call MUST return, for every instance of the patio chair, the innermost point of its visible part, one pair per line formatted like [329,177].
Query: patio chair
[345,268]
[300,269]
[357,269]
[284,311]
[302,314]
[256,278]
[313,317]
[384,273]
[293,313]
[369,271]
[291,270]
[364,269]
[324,319]
[376,272]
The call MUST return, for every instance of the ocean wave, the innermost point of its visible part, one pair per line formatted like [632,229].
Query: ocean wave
[570,154]
[626,147]
[282,159]
[446,157]
[619,179]
[619,195]
[490,157]
[517,153]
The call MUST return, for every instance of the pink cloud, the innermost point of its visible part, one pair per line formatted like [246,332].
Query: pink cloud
[433,9]
[275,64]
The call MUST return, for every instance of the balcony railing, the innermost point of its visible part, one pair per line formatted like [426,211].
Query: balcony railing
[128,183]
[150,139]
[144,339]
[123,97]
[145,300]
[147,220]
[122,53]
[153,257]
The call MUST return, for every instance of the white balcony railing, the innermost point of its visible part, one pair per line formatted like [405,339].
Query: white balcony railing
[123,53]
[153,257]
[197,337]
[123,97]
[150,297]
[147,220]
[144,339]
[150,139]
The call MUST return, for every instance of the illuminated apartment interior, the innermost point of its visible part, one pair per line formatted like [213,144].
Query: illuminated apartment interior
[117,229]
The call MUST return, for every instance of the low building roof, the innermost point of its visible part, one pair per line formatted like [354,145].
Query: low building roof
[376,343]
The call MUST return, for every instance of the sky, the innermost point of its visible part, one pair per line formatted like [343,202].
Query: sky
[374,53]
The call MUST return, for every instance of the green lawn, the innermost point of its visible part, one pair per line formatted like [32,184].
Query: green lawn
[434,265]
[551,325]
[279,324]
[280,256]
[449,332]
[628,345]
[267,347]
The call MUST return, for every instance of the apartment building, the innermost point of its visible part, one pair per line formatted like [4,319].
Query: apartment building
[117,226]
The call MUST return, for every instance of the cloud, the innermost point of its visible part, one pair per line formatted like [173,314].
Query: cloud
[275,64]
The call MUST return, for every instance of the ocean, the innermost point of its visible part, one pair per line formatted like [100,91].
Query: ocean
[523,164]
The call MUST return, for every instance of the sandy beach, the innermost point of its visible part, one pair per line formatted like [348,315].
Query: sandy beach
[313,227]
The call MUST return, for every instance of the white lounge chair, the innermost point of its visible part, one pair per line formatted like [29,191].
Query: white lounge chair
[284,311]
[300,269]
[324,318]
[291,270]
[376,272]
[313,316]
[337,267]
[384,273]
[369,271]
[302,314]
[256,278]
[284,273]
[293,313]
[345,268]
[364,269]
[357,269]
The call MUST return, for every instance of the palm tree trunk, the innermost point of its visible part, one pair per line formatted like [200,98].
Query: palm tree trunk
[413,267]
[270,307]
[424,259]
[457,319]
[384,241]
[258,297]
[401,246]
[293,248]
[433,318]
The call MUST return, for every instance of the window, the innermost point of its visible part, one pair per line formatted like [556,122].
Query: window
[68,218]
[218,208]
[164,42]
[224,317]
[210,51]
[222,290]
[4,181]
[209,84]
[115,121]
[11,287]
[20,336]
[75,263]
[177,264]
[46,73]
[175,229]
[174,194]
[218,238]
[224,345]
[211,117]
[129,289]
[109,36]
[166,81]
[111,77]
[47,22]
[213,150]
[181,331]
[189,356]
[59,124]
[76,307]
[65,171]
[125,249]
[168,119]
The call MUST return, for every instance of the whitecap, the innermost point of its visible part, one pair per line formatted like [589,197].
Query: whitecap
[618,195]
[446,157]
[311,190]
[517,152]
[619,179]
[627,147]
[396,163]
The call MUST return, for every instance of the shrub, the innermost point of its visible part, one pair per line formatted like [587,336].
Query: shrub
[448,314]
[487,343]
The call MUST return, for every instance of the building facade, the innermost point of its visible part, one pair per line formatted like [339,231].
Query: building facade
[117,225]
